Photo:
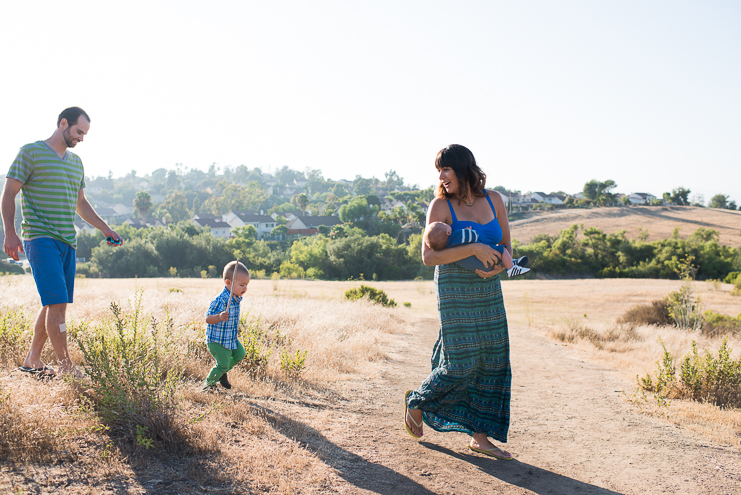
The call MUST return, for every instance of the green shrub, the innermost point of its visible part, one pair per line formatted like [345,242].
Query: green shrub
[372,294]
[706,378]
[293,364]
[732,277]
[717,323]
[15,330]
[133,367]
[257,345]
[407,305]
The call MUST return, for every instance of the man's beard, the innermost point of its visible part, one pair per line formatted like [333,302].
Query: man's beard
[68,139]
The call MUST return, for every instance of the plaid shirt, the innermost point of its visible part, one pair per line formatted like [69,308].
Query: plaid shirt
[224,332]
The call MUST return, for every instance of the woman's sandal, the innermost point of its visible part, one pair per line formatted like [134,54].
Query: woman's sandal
[493,453]
[407,415]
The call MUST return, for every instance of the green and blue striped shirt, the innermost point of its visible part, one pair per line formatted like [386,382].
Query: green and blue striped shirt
[49,194]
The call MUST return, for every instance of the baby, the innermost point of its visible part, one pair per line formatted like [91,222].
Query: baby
[439,235]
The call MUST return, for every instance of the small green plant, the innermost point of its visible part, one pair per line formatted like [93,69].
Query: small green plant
[142,440]
[665,382]
[134,367]
[702,378]
[293,364]
[372,294]
[175,290]
[15,328]
[686,311]
[257,344]
[407,305]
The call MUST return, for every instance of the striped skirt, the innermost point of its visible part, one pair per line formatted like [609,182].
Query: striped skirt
[470,384]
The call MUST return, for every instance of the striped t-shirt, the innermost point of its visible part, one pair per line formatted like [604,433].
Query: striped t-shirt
[49,193]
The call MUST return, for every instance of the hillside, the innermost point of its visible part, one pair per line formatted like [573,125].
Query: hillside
[660,221]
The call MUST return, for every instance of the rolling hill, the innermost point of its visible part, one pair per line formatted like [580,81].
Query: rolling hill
[660,221]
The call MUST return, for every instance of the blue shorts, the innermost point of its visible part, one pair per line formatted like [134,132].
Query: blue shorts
[53,267]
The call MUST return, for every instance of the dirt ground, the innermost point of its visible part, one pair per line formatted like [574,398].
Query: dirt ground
[659,221]
[573,429]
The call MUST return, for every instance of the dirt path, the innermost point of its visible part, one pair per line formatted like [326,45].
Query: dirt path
[572,431]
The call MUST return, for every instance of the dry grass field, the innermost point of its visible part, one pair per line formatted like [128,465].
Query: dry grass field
[257,436]
[660,222]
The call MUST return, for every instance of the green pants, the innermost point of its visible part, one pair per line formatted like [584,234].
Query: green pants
[226,359]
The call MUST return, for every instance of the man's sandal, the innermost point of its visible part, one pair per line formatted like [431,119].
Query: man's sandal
[407,415]
[496,453]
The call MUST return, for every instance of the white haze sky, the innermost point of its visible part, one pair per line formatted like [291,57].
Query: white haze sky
[547,95]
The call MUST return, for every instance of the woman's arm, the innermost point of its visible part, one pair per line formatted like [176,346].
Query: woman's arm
[439,212]
[499,207]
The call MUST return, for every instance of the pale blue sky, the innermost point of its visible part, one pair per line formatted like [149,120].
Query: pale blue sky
[547,95]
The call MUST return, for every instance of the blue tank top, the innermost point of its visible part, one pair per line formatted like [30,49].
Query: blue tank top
[489,233]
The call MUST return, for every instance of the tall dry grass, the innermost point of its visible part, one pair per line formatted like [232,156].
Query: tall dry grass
[225,439]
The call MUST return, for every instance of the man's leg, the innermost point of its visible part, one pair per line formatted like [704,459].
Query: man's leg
[33,360]
[57,331]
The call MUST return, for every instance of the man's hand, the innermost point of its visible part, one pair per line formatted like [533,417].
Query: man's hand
[224,316]
[12,245]
[109,232]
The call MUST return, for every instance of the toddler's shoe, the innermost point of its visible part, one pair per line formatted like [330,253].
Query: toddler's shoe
[225,381]
[522,261]
[517,270]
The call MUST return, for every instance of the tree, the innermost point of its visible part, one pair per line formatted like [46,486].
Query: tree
[599,192]
[393,181]
[719,201]
[177,206]
[679,196]
[362,187]
[302,200]
[143,202]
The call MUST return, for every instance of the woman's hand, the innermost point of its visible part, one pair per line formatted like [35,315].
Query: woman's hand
[496,271]
[488,256]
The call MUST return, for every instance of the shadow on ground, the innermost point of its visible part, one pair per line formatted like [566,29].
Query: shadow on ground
[357,471]
[535,479]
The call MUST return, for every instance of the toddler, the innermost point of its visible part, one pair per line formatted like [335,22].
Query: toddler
[440,235]
[223,324]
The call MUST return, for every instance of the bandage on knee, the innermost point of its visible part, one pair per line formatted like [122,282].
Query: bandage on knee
[62,327]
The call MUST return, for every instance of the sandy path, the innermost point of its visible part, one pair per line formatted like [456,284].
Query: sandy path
[572,431]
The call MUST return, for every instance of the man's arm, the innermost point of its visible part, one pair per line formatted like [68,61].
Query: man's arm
[86,211]
[12,244]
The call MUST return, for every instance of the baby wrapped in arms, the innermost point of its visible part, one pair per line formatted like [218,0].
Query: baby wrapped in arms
[439,235]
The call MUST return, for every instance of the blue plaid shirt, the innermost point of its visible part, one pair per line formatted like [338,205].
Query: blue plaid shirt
[224,332]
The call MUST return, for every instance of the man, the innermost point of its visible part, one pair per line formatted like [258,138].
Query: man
[52,180]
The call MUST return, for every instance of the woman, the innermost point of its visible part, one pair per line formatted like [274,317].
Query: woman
[469,387]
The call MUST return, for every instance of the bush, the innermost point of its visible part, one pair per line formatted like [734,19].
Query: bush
[15,330]
[706,378]
[732,277]
[372,294]
[655,313]
[10,268]
[293,364]
[133,368]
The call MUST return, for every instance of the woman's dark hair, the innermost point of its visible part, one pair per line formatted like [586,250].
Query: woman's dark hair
[471,179]
[72,114]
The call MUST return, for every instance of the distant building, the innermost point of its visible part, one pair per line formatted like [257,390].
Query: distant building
[262,223]
[139,223]
[218,226]
[641,198]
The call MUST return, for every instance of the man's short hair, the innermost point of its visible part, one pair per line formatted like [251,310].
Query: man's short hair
[231,266]
[72,114]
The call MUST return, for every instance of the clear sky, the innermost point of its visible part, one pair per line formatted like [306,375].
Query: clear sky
[547,95]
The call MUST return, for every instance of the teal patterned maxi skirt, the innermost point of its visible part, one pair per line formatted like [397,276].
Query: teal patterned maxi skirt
[470,384]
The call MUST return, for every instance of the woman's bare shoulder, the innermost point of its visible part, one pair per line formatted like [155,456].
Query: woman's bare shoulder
[438,211]
[495,197]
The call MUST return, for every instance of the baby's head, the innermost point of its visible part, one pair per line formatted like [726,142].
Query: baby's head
[436,235]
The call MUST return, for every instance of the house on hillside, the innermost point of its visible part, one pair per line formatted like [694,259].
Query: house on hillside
[262,223]
[219,228]
[309,225]
[641,198]
[82,226]
[139,223]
